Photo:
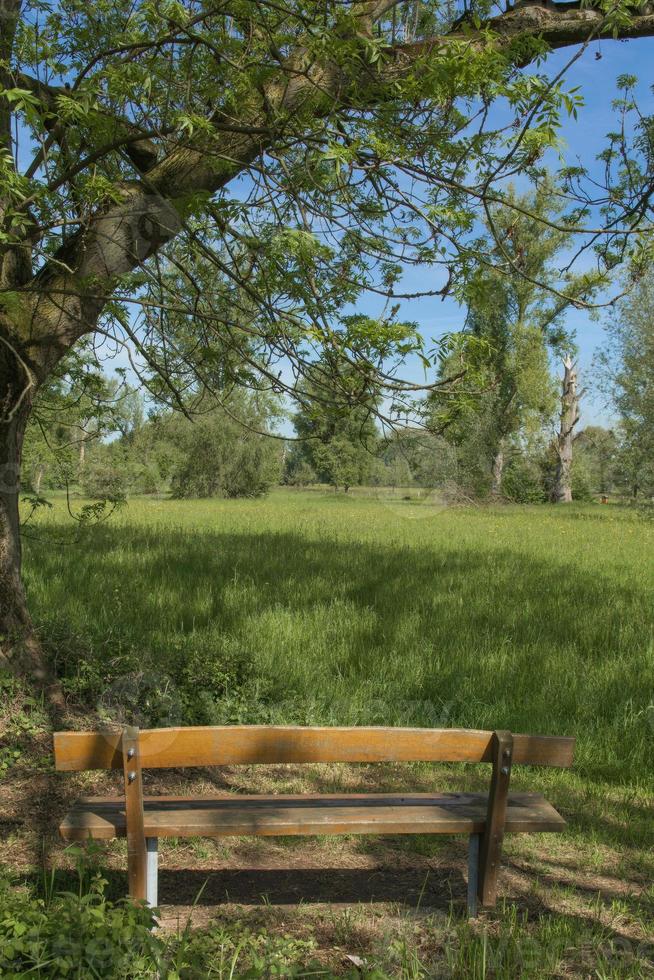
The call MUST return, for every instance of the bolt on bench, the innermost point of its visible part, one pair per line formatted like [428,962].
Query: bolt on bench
[484,817]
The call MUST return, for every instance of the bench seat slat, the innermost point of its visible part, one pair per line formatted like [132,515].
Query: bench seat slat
[448,813]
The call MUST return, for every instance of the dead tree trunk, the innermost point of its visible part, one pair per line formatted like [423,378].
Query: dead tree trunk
[497,471]
[37,479]
[569,417]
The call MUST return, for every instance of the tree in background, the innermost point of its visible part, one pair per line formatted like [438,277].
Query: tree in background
[227,450]
[336,421]
[596,449]
[412,455]
[516,312]
[224,450]
[78,408]
[627,377]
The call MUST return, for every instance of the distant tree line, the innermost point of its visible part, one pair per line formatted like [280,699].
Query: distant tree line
[511,427]
[221,448]
[508,427]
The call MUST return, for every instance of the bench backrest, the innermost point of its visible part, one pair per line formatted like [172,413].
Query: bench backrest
[162,748]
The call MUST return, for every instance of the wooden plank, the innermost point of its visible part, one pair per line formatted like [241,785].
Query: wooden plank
[239,744]
[463,813]
[491,842]
[133,810]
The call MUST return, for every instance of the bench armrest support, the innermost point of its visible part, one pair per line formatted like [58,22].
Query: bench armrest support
[491,843]
[135,827]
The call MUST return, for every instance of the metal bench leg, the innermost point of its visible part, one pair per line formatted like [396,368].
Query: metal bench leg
[473,874]
[151,896]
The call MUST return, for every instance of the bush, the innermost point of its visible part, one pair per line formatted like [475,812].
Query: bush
[76,935]
[300,474]
[582,485]
[522,482]
[221,457]
[84,935]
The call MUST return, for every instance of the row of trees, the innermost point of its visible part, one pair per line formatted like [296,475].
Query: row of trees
[493,434]
[107,448]
[510,426]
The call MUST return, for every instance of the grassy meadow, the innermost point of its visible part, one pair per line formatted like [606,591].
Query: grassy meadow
[315,607]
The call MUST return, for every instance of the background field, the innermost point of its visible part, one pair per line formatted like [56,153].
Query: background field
[319,608]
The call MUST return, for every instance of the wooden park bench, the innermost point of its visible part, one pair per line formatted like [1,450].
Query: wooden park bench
[484,817]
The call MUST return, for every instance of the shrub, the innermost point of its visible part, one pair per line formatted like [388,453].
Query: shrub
[522,482]
[76,935]
[84,935]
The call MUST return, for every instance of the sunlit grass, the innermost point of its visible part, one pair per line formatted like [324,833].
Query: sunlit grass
[319,608]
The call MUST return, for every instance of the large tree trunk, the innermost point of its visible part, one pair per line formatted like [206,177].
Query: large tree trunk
[14,411]
[20,649]
[14,618]
[562,490]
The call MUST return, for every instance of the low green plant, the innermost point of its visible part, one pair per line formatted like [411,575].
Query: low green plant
[76,935]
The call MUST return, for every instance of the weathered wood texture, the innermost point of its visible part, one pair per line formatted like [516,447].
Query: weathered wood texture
[133,813]
[162,748]
[498,797]
[418,813]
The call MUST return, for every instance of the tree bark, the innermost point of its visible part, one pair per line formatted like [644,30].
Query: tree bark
[20,649]
[562,490]
[497,472]
[13,609]
[15,622]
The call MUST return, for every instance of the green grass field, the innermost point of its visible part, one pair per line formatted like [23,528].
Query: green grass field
[315,607]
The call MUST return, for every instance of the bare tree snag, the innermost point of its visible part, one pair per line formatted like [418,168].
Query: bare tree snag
[497,471]
[562,490]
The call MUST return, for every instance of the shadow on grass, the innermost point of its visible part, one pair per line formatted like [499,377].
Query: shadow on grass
[500,638]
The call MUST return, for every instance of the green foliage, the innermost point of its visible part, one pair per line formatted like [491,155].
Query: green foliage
[342,461]
[220,449]
[627,376]
[22,721]
[596,455]
[254,955]
[225,451]
[267,277]
[297,471]
[77,408]
[509,394]
[107,473]
[582,480]
[523,481]
[83,934]
[336,425]
[76,935]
